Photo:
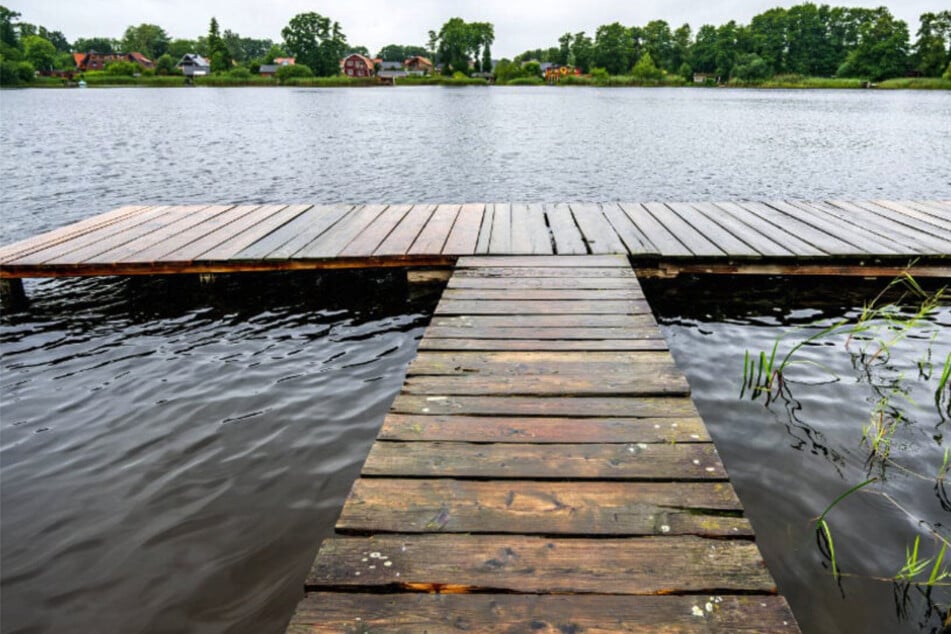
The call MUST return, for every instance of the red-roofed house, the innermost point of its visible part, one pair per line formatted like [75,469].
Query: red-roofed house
[285,61]
[357,65]
[98,61]
[418,64]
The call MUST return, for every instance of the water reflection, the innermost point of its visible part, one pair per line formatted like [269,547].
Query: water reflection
[171,453]
[822,421]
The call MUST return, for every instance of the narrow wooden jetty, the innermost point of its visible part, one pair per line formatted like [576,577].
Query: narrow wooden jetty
[833,237]
[543,469]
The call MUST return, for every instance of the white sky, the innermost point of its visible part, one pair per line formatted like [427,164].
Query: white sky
[519,24]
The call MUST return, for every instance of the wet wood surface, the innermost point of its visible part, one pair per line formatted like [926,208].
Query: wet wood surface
[203,238]
[512,462]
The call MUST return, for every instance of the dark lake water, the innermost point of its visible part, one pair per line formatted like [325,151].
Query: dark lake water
[172,454]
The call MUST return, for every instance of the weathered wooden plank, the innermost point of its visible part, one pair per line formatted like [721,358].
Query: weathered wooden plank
[157,244]
[399,241]
[541,307]
[542,508]
[368,241]
[913,235]
[330,243]
[289,236]
[634,240]
[542,344]
[258,228]
[560,334]
[331,224]
[941,208]
[660,238]
[828,244]
[869,227]
[653,407]
[599,235]
[694,240]
[629,461]
[927,211]
[564,231]
[485,232]
[544,321]
[712,231]
[464,237]
[577,283]
[94,237]
[834,228]
[539,237]
[602,364]
[761,244]
[540,272]
[543,264]
[219,230]
[774,232]
[634,565]
[664,381]
[434,235]
[187,223]
[542,430]
[516,291]
[414,612]
[128,234]
[500,241]
[69,232]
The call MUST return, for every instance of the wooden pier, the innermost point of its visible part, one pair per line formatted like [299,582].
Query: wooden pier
[543,469]
[836,237]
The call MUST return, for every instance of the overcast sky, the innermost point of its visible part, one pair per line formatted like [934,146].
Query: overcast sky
[519,24]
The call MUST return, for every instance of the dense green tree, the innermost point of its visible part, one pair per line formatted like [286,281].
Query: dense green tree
[882,50]
[56,38]
[947,72]
[127,69]
[217,49]
[149,39]
[582,52]
[316,42]
[507,70]
[13,73]
[273,53]
[658,40]
[8,30]
[98,44]
[39,51]
[703,53]
[243,49]
[179,48]
[768,30]
[165,65]
[646,70]
[613,48]
[933,43]
[750,66]
[682,43]
[457,42]
[398,53]
[564,49]
[359,50]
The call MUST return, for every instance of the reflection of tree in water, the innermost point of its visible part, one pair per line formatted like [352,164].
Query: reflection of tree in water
[870,340]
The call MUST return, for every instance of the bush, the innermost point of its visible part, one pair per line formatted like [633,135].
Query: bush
[239,72]
[599,75]
[947,72]
[13,73]
[293,71]
[127,69]
[751,67]
[646,70]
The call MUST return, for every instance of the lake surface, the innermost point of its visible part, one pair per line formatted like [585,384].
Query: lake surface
[172,454]
[69,154]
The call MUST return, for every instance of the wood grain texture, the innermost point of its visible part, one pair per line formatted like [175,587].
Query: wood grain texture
[543,321]
[641,565]
[588,407]
[628,461]
[632,364]
[529,344]
[412,613]
[541,307]
[542,430]
[651,381]
[542,508]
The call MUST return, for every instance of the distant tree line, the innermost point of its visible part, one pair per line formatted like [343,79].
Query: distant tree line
[807,39]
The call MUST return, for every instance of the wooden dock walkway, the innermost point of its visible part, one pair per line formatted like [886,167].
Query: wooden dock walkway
[870,237]
[543,469]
